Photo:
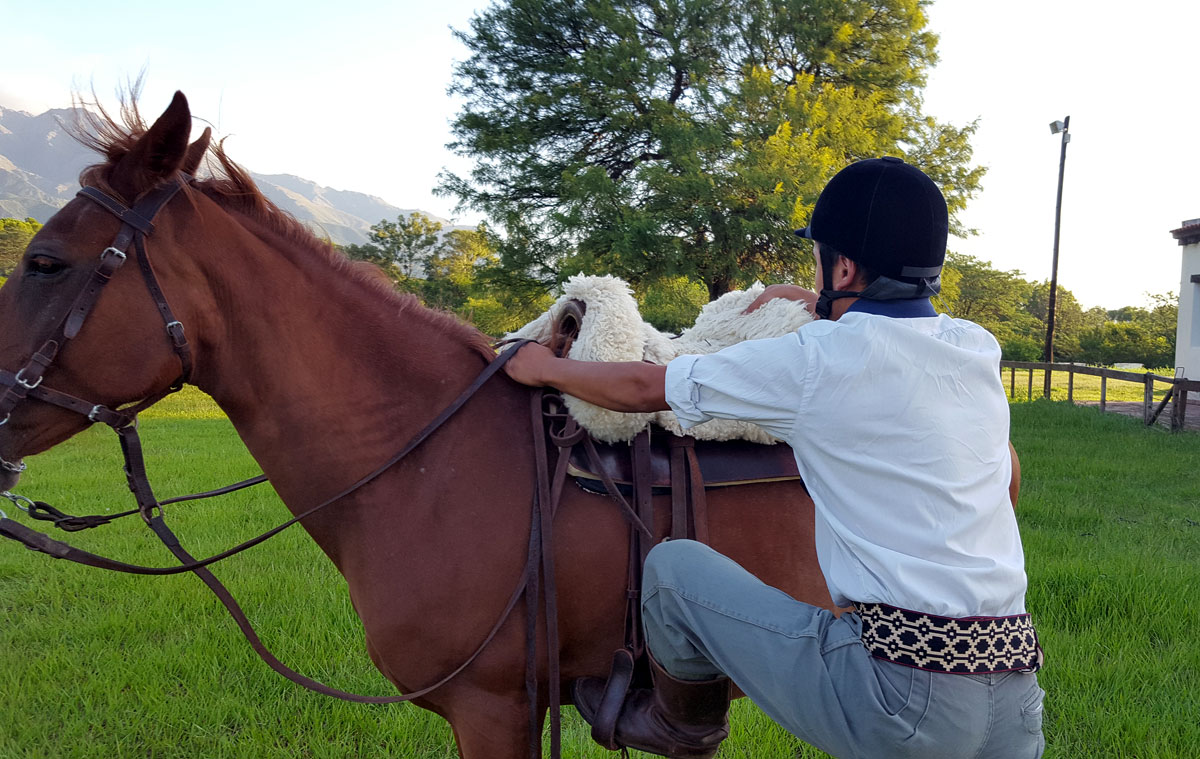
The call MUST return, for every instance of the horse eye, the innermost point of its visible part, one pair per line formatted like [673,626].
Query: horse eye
[45,266]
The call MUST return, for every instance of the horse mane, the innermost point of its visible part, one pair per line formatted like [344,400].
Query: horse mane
[232,187]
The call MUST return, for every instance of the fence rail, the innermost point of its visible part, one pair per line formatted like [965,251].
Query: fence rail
[1177,390]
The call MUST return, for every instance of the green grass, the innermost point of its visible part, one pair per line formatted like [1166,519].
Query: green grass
[96,664]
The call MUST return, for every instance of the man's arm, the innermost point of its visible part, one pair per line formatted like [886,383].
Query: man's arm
[787,292]
[620,386]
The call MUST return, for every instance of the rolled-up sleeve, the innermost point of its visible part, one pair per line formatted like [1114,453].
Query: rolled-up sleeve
[759,381]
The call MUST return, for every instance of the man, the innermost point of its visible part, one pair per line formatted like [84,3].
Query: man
[899,423]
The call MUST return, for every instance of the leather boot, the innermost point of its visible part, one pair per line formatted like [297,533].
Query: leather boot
[682,719]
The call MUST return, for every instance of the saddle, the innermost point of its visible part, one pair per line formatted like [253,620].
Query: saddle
[722,464]
[659,461]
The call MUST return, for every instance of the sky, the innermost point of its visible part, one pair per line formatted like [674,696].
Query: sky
[352,95]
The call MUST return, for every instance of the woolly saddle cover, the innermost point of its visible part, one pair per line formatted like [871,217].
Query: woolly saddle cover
[613,330]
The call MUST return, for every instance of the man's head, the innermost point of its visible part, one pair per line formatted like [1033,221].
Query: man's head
[891,220]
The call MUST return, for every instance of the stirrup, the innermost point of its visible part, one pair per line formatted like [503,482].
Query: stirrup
[608,710]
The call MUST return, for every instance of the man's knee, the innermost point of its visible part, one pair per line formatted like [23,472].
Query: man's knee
[668,560]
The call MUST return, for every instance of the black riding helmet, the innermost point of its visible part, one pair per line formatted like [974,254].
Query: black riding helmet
[887,216]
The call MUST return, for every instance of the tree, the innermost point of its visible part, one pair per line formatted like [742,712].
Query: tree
[1068,319]
[14,238]
[671,304]
[400,247]
[685,137]
[451,269]
[1125,341]
[997,300]
[985,295]
[1134,334]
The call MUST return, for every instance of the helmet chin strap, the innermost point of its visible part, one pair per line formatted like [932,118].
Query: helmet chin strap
[824,305]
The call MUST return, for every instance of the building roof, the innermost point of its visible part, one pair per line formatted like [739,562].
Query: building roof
[1188,233]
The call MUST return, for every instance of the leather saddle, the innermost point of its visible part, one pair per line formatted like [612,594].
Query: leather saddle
[721,463]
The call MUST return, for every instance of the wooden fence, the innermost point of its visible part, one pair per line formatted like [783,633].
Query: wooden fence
[1177,391]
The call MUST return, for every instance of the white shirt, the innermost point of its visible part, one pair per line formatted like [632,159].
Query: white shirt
[900,431]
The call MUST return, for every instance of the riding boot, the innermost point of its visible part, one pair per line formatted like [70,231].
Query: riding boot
[682,719]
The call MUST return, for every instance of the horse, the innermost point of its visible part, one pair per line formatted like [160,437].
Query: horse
[322,369]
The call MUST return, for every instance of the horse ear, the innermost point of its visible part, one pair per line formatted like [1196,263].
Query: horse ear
[195,152]
[157,154]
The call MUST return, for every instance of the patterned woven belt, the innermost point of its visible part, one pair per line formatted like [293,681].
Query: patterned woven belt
[970,645]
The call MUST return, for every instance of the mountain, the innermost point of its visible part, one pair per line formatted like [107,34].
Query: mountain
[40,165]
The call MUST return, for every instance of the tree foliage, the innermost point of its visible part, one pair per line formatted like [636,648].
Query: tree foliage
[1016,310]
[671,304]
[1140,335]
[400,247]
[655,139]
[15,235]
[451,271]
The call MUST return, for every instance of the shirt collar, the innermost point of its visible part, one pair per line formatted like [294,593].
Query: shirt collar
[897,309]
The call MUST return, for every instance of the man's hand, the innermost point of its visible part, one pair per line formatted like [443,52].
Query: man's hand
[787,292]
[529,365]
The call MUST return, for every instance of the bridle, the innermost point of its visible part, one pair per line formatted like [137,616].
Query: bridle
[27,383]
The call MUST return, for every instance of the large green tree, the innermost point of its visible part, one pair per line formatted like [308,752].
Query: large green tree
[400,247]
[996,299]
[1133,333]
[664,138]
[1069,319]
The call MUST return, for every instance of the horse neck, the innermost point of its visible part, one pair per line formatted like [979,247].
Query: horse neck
[323,373]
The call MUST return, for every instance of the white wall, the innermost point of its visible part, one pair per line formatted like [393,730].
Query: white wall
[1187,335]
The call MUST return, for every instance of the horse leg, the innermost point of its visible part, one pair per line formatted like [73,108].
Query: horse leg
[493,726]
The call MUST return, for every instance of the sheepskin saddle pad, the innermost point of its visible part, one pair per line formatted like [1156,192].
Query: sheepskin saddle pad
[610,328]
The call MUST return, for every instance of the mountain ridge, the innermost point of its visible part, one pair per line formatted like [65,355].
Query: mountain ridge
[40,165]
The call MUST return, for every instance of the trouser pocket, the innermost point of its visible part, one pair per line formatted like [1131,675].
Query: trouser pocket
[1031,710]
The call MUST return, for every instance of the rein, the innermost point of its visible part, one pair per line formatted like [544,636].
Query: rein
[26,383]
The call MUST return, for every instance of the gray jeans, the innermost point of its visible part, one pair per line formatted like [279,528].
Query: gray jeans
[807,669]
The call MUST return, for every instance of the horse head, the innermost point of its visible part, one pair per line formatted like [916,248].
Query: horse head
[77,318]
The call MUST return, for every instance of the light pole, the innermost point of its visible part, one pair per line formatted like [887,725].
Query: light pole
[1056,127]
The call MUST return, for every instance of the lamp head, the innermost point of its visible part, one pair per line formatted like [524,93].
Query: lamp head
[1056,127]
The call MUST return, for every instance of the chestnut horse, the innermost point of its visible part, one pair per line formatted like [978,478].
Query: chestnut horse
[324,371]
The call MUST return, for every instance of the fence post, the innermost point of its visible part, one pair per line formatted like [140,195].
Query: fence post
[1148,400]
[1012,383]
[1071,383]
[1179,406]
[1030,384]
[1046,381]
[1103,385]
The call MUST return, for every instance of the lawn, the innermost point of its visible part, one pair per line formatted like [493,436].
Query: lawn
[95,664]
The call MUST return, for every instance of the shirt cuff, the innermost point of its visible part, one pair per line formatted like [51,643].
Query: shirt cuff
[682,393]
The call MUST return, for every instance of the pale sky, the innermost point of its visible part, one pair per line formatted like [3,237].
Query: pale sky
[352,95]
